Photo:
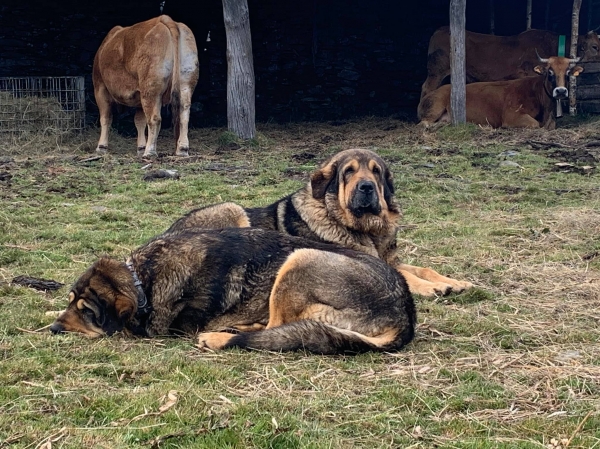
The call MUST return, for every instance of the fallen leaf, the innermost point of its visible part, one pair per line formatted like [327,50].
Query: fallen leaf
[417,432]
[171,401]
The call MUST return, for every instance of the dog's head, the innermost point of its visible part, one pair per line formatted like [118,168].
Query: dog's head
[358,185]
[102,300]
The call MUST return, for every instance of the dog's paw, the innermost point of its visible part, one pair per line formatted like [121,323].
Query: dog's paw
[214,340]
[460,286]
[431,289]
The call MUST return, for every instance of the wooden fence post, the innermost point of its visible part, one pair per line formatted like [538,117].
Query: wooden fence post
[573,55]
[458,94]
[241,109]
[529,7]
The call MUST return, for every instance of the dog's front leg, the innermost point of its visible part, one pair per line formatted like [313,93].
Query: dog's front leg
[157,325]
[160,322]
[428,282]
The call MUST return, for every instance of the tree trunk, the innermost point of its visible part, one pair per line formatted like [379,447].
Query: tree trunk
[529,7]
[241,108]
[458,94]
[573,55]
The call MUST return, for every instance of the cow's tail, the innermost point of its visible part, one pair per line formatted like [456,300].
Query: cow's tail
[315,337]
[176,77]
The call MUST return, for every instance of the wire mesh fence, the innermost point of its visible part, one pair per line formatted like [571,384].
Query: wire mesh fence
[48,104]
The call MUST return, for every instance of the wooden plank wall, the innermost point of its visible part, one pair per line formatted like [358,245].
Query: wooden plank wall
[588,88]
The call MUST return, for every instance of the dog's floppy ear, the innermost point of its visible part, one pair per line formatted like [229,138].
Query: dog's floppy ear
[388,187]
[95,303]
[125,307]
[324,180]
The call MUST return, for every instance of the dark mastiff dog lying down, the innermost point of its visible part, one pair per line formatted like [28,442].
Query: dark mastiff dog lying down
[248,288]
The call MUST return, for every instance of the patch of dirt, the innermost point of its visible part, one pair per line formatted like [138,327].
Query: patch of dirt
[303,157]
[510,190]
[228,147]
[296,174]
[580,155]
[443,151]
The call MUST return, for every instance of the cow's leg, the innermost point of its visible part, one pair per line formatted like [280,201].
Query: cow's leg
[183,144]
[438,68]
[433,109]
[549,123]
[140,125]
[432,82]
[188,61]
[104,101]
[151,105]
[519,120]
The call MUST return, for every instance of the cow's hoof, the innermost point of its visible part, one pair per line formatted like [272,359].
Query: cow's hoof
[182,152]
[150,155]
[102,149]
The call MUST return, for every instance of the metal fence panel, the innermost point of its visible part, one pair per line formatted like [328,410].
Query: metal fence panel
[48,104]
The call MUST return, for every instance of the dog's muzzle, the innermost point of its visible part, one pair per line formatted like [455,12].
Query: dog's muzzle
[57,328]
[365,199]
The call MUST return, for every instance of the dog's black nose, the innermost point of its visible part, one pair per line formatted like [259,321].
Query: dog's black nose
[365,186]
[56,328]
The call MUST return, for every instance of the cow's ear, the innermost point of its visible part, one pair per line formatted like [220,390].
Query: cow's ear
[324,180]
[540,69]
[575,71]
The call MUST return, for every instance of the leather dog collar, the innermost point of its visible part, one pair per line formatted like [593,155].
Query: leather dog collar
[143,306]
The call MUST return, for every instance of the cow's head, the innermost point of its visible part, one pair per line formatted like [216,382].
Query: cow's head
[557,69]
[588,47]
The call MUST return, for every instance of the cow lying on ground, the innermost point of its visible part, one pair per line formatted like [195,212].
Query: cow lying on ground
[496,58]
[146,66]
[524,103]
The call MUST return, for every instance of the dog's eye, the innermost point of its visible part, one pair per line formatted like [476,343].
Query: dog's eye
[89,315]
[376,170]
[348,171]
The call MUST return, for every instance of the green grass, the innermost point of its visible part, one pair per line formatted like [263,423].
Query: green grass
[513,363]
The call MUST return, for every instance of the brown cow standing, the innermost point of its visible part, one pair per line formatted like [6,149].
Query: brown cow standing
[146,66]
[523,103]
[495,58]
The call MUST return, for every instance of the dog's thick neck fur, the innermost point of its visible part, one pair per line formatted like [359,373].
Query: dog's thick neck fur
[317,215]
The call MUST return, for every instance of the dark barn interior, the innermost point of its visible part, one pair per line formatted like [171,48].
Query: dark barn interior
[315,60]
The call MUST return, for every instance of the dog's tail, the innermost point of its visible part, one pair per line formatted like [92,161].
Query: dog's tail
[318,338]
